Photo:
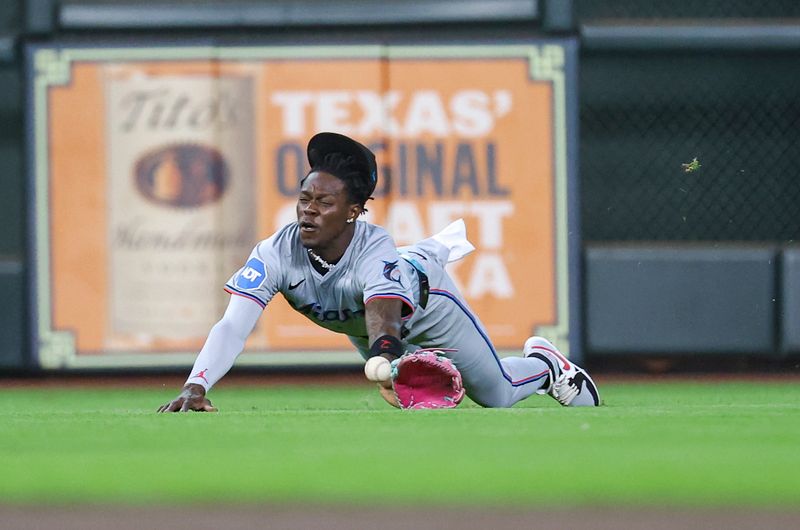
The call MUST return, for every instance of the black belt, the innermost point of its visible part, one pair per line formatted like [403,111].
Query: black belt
[424,285]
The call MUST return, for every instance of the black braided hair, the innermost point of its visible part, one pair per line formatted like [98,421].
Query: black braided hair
[344,168]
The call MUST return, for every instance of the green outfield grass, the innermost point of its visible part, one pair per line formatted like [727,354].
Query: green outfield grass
[666,444]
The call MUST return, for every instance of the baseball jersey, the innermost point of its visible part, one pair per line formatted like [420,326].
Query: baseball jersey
[370,268]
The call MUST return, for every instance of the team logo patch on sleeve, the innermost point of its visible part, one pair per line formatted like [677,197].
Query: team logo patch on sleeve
[391,272]
[252,276]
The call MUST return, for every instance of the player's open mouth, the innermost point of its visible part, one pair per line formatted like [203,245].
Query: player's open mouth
[305,226]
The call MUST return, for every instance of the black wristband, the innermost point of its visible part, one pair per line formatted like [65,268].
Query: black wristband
[386,344]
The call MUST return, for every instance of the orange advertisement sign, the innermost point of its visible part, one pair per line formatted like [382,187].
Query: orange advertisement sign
[156,173]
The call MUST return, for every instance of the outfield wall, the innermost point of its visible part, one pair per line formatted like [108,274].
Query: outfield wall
[14,348]
[674,262]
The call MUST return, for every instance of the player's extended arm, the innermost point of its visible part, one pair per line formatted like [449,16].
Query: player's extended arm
[224,344]
[383,319]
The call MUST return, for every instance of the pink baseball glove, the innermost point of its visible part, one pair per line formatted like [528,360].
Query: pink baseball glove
[426,379]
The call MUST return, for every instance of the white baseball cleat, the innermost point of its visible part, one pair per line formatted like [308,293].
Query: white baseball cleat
[569,384]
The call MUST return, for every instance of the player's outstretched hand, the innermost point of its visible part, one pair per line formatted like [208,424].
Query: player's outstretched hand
[192,397]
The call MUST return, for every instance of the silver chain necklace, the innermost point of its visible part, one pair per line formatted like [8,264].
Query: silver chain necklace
[316,257]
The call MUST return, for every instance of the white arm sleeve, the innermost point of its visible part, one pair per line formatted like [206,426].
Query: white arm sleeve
[225,342]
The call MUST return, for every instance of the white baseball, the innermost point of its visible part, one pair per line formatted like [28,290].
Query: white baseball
[378,369]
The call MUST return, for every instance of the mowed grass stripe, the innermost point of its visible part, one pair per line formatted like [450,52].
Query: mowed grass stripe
[664,444]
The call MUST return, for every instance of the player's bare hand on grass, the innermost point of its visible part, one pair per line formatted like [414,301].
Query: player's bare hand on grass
[192,398]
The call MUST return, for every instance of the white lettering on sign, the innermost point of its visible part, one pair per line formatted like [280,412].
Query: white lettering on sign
[469,113]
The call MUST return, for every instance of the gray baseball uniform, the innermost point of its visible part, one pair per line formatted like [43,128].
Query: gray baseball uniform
[372,267]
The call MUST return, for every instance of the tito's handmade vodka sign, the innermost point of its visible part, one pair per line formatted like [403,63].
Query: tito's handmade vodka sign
[180,160]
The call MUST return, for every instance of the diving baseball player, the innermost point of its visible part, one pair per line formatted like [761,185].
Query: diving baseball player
[347,276]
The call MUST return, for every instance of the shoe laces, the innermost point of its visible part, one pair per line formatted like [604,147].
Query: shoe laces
[564,388]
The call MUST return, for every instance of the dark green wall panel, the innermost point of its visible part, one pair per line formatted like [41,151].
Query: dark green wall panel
[790,314]
[13,314]
[680,299]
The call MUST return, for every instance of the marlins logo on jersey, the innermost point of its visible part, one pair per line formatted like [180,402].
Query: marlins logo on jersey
[252,276]
[392,272]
